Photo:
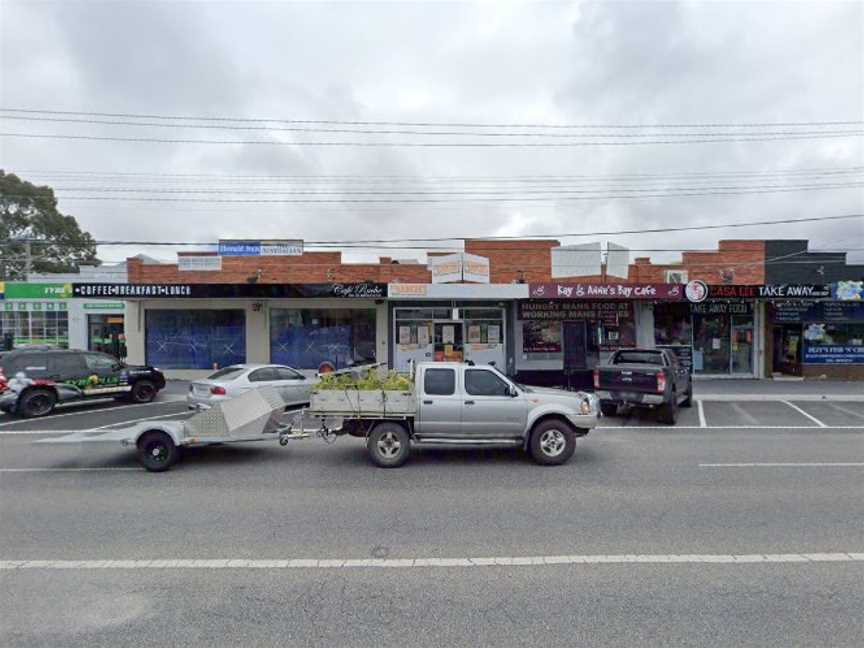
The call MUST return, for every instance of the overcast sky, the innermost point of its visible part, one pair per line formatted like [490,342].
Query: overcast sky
[562,63]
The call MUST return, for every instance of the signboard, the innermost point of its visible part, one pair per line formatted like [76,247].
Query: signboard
[833,354]
[684,353]
[770,291]
[794,312]
[215,290]
[15,290]
[672,292]
[287,247]
[407,290]
[848,290]
[203,263]
[105,306]
[610,313]
[462,266]
[722,308]
[696,291]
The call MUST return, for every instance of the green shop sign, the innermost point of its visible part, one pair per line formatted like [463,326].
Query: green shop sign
[105,306]
[15,290]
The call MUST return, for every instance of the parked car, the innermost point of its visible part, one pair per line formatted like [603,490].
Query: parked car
[457,405]
[232,381]
[649,378]
[36,381]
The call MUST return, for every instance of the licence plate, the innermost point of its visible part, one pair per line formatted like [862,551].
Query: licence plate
[201,390]
[630,396]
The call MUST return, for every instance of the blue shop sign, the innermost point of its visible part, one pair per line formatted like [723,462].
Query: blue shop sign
[833,354]
[239,248]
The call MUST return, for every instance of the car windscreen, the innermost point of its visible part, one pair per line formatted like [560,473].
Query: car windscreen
[228,373]
[639,357]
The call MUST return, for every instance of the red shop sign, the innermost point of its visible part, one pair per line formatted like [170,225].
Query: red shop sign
[672,292]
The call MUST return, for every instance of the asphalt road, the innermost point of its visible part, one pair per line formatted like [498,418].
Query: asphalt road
[742,526]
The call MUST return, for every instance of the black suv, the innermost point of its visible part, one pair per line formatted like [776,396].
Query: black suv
[35,381]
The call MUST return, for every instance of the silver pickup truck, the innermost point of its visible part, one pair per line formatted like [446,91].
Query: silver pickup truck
[455,404]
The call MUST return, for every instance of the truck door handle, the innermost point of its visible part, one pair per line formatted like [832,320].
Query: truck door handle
[469,402]
[427,402]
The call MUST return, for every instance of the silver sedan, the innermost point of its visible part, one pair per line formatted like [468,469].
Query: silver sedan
[232,381]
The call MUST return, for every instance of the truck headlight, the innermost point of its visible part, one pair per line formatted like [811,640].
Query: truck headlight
[585,407]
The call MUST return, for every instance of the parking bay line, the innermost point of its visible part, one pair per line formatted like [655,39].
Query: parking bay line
[436,563]
[120,408]
[787,464]
[801,411]
[702,421]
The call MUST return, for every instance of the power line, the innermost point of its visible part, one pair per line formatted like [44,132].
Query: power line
[406,144]
[403,131]
[430,124]
[474,239]
[558,191]
[598,195]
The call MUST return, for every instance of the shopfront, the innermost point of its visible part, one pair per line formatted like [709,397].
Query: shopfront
[187,329]
[565,331]
[723,338]
[817,338]
[452,322]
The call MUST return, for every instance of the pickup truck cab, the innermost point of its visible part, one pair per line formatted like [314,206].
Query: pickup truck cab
[649,378]
[458,404]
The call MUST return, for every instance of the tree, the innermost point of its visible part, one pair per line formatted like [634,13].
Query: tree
[29,213]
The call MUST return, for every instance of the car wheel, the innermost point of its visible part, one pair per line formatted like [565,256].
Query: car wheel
[389,445]
[609,409]
[143,391]
[37,402]
[552,443]
[668,413]
[688,398]
[156,451]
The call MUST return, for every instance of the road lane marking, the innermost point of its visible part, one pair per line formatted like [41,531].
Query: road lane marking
[757,397]
[40,470]
[848,411]
[119,408]
[672,428]
[435,563]
[95,429]
[801,411]
[777,464]
[702,422]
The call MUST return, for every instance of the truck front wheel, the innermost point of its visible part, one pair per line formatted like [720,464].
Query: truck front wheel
[389,445]
[552,443]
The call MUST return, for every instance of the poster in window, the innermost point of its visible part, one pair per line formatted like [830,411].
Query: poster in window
[474,336]
[448,334]
[404,335]
[423,335]
[493,334]
[541,337]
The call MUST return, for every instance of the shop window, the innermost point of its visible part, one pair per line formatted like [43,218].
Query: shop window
[672,324]
[541,337]
[195,339]
[834,343]
[312,338]
[49,328]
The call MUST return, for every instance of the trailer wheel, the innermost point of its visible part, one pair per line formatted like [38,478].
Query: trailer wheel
[389,445]
[156,451]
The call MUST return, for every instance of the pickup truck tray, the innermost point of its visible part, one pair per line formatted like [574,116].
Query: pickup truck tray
[359,403]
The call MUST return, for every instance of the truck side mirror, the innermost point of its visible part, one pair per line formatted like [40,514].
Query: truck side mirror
[512,392]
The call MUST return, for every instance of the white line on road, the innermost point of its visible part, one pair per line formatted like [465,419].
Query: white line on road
[702,422]
[804,464]
[121,408]
[848,411]
[749,419]
[495,561]
[672,428]
[39,470]
[801,411]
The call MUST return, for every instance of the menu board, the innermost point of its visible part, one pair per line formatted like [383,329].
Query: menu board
[541,337]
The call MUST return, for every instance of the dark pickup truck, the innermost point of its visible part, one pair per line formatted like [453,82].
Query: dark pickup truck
[650,378]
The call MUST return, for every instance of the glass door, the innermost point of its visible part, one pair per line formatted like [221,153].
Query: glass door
[711,348]
[742,345]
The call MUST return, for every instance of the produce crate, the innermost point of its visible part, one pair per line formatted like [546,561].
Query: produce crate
[361,403]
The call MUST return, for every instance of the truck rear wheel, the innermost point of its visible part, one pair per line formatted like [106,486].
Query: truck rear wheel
[668,412]
[389,445]
[552,443]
